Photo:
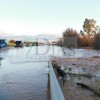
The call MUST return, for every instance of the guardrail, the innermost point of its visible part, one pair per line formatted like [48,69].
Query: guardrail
[55,89]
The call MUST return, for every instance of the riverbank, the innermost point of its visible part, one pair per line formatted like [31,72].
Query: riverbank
[89,65]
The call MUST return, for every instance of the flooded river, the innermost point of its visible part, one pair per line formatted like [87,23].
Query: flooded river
[24,73]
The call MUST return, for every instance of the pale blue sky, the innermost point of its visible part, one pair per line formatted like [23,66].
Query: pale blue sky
[45,16]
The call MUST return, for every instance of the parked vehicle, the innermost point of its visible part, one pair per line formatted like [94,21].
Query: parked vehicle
[3,43]
[12,43]
[18,44]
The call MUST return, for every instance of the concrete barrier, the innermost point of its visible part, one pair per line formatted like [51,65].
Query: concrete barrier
[55,89]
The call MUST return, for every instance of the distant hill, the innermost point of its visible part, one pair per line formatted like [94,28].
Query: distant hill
[40,37]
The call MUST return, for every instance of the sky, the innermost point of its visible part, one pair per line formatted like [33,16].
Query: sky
[31,17]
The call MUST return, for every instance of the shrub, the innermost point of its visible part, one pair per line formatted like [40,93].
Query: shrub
[96,42]
[84,41]
[59,42]
[70,38]
[70,33]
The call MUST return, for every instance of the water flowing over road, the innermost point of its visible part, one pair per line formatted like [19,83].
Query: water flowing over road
[24,73]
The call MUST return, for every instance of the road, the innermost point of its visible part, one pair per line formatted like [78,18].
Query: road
[24,73]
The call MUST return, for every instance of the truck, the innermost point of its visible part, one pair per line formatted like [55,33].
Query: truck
[18,44]
[3,43]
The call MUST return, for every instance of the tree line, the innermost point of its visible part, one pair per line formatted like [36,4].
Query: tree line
[88,37]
